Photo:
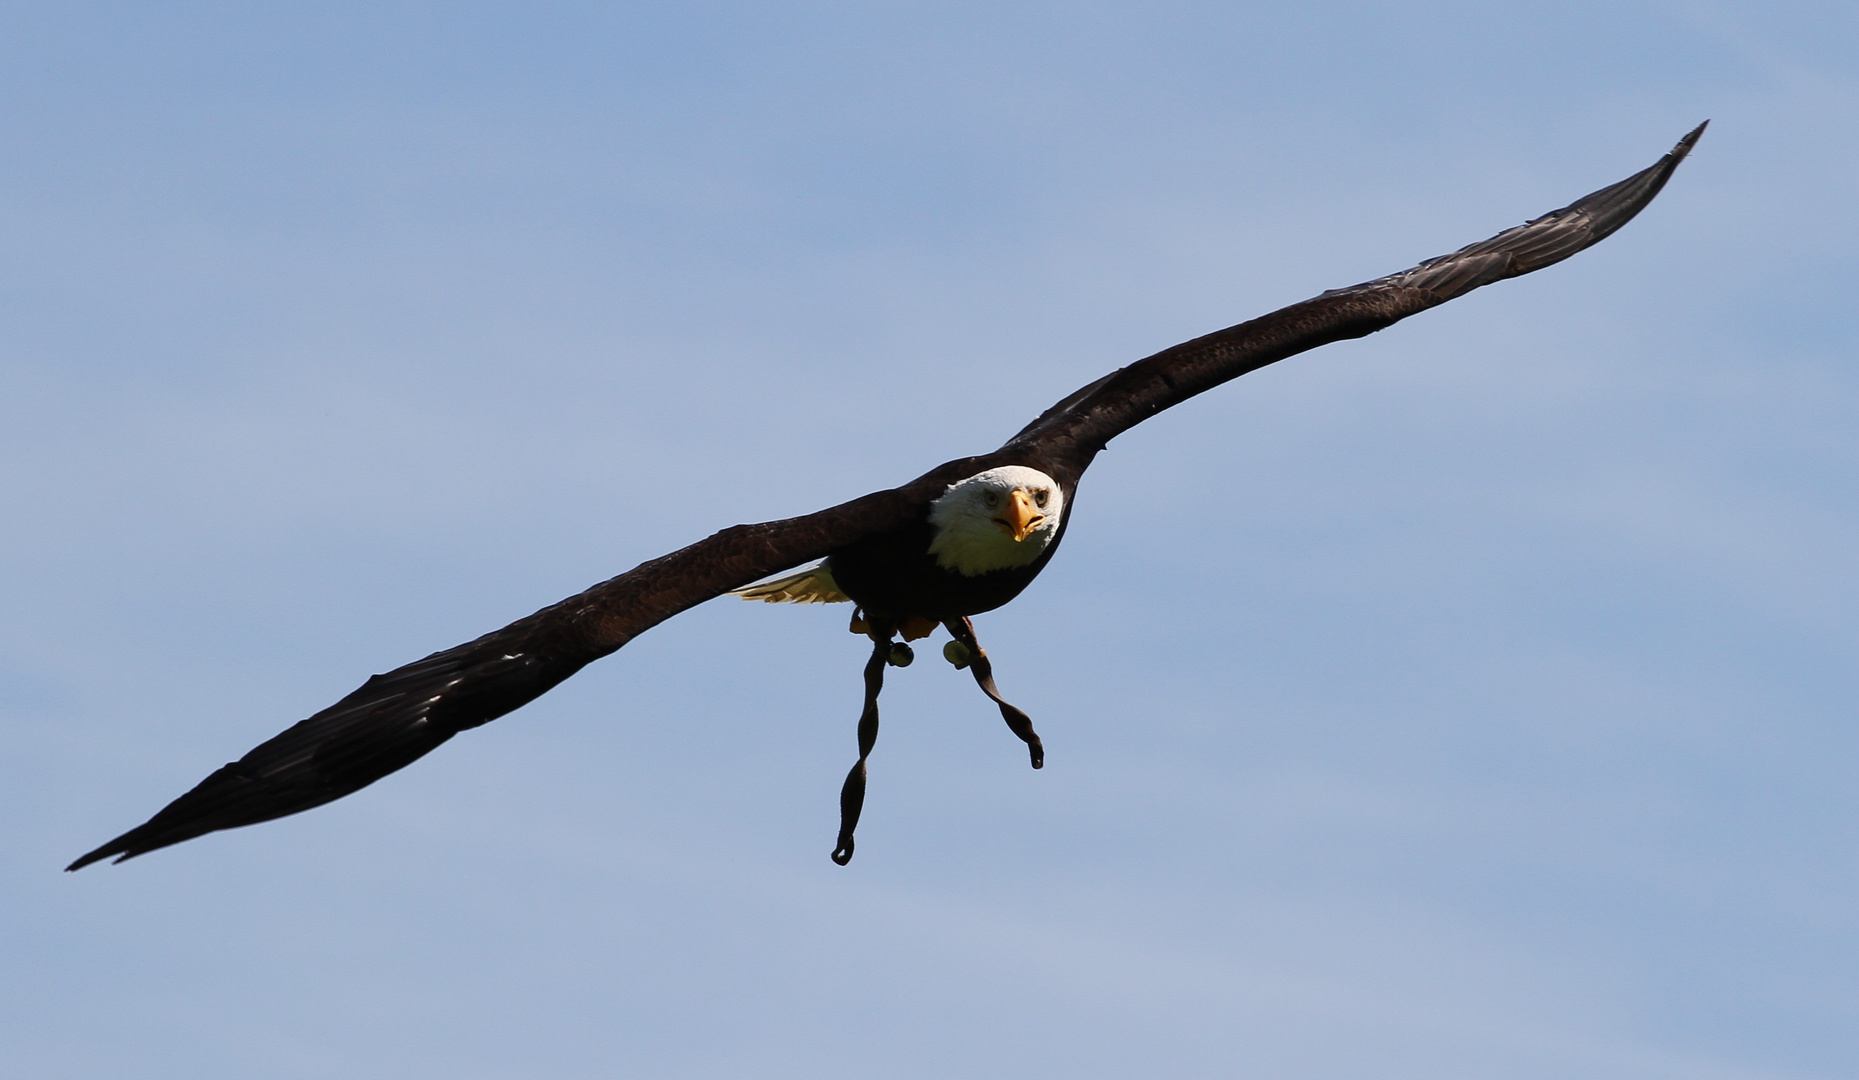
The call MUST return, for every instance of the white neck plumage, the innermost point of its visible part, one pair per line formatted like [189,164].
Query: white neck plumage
[997,520]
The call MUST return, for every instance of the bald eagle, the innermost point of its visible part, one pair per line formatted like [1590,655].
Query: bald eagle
[962,539]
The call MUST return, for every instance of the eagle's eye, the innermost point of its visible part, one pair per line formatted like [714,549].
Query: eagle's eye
[1039,498]
[991,498]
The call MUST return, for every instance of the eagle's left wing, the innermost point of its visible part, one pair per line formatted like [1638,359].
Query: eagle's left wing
[1070,433]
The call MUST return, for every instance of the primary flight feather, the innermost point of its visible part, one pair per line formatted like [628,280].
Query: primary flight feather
[963,538]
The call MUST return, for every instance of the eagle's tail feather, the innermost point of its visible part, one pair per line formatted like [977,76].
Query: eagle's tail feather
[814,585]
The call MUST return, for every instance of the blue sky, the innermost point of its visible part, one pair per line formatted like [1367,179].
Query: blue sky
[1471,700]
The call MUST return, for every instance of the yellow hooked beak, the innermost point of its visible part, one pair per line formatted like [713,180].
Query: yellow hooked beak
[1020,517]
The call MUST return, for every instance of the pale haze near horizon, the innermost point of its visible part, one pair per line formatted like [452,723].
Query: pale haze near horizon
[1471,700]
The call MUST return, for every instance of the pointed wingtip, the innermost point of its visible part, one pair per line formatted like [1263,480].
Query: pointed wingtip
[123,847]
[98,855]
[1615,205]
[137,841]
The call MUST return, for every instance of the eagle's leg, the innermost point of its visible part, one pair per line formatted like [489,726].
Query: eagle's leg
[852,795]
[963,631]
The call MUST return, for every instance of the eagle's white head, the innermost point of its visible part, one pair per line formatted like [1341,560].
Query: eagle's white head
[995,520]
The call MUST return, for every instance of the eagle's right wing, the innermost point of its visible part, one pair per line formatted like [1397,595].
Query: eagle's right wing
[394,719]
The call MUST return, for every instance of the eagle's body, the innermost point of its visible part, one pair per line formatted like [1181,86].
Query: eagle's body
[893,578]
[964,538]
[952,559]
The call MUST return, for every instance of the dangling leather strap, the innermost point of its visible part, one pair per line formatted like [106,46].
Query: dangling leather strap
[852,795]
[963,630]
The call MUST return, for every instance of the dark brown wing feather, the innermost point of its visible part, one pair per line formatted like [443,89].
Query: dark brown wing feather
[1075,429]
[394,719]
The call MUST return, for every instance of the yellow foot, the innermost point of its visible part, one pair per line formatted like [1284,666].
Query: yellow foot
[916,626]
[911,629]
